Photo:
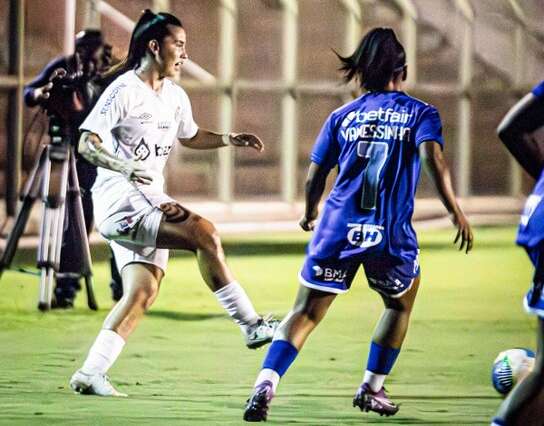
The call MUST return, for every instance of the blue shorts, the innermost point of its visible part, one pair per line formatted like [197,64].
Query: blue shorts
[387,275]
[534,299]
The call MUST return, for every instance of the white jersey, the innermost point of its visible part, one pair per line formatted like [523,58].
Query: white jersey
[133,120]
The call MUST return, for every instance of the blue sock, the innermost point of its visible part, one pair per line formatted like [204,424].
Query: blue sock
[381,358]
[498,422]
[280,356]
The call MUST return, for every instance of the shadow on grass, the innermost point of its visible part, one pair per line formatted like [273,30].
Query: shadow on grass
[183,316]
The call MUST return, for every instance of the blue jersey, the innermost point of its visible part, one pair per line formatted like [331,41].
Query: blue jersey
[374,142]
[531,227]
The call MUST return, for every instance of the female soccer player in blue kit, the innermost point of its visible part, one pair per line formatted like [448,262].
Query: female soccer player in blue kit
[376,141]
[517,132]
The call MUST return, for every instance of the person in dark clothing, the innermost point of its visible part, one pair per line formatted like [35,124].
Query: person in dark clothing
[69,86]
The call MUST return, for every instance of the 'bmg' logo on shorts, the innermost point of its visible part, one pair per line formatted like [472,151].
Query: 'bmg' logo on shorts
[365,235]
[329,274]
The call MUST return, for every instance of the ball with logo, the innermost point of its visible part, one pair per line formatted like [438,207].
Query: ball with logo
[510,367]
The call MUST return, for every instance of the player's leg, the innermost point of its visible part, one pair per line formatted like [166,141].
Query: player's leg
[398,290]
[309,309]
[185,230]
[142,282]
[518,407]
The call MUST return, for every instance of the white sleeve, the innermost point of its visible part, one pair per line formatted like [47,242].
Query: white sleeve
[110,109]
[187,126]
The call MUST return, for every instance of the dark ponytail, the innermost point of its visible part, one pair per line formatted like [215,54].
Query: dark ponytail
[149,27]
[378,58]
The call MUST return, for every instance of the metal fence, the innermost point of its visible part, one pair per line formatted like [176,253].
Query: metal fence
[271,69]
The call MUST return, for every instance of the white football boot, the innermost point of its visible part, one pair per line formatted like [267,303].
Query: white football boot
[261,332]
[93,384]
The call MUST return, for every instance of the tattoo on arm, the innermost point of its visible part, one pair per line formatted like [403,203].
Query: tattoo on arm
[92,149]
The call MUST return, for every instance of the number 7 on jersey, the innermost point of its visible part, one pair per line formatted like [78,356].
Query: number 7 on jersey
[376,152]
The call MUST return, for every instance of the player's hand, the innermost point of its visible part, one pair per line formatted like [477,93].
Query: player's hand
[464,232]
[135,172]
[246,140]
[307,224]
[174,212]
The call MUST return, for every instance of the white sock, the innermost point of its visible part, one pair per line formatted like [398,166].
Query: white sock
[375,381]
[103,353]
[271,376]
[234,300]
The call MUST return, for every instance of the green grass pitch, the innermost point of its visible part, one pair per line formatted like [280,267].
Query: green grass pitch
[186,364]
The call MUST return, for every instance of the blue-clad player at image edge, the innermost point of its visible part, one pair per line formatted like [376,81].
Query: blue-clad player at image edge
[377,143]
[518,132]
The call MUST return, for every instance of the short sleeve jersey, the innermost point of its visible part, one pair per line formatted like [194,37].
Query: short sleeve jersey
[374,143]
[531,227]
[135,122]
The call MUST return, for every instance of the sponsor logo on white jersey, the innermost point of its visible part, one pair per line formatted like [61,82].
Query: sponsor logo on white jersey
[162,150]
[330,274]
[163,125]
[142,151]
[143,118]
[365,235]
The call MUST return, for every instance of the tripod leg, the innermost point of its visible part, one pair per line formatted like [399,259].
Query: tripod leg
[29,196]
[54,192]
[46,279]
[79,222]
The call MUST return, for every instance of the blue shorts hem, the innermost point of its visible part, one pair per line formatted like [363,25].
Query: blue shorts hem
[320,287]
[395,295]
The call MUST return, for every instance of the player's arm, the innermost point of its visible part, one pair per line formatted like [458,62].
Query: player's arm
[516,132]
[433,159]
[92,149]
[206,139]
[314,188]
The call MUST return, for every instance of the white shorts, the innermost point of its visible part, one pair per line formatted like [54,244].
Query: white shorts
[124,255]
[133,227]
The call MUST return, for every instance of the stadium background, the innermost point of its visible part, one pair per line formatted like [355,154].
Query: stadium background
[270,69]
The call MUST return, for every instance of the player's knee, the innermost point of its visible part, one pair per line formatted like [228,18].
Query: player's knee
[401,305]
[209,240]
[145,294]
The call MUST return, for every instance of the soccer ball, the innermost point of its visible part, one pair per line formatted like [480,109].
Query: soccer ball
[510,367]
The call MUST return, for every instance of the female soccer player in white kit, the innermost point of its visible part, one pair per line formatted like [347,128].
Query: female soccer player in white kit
[129,134]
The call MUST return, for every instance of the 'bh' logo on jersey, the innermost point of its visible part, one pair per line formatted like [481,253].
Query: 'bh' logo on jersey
[365,235]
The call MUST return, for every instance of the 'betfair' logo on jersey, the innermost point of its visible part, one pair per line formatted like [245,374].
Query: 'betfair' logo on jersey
[142,151]
[366,235]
